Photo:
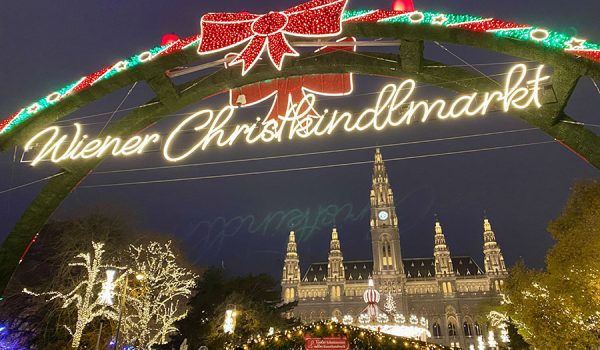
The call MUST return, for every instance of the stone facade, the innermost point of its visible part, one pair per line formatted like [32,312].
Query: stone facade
[446,290]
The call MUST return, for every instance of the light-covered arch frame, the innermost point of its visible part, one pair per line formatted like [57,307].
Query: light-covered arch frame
[570,63]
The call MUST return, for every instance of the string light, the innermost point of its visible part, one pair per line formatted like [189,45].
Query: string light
[81,147]
[393,108]
[107,293]
[499,28]
[159,296]
[301,337]
[82,297]
[313,19]
[492,343]
[229,323]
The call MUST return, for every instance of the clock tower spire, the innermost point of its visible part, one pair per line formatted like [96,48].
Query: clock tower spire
[388,270]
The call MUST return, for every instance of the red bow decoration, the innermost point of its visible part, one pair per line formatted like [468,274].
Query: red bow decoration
[221,31]
[293,90]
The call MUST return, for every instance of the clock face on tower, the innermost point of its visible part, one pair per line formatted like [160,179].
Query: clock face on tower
[383,215]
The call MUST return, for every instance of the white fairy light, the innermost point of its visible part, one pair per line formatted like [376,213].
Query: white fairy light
[382,318]
[364,318]
[390,304]
[347,319]
[82,296]
[480,343]
[229,323]
[108,287]
[504,335]
[414,319]
[159,296]
[492,343]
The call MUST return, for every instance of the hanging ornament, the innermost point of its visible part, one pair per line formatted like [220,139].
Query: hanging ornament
[294,89]
[221,31]
[168,39]
[403,5]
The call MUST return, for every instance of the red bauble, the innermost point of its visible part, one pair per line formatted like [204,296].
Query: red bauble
[403,5]
[168,39]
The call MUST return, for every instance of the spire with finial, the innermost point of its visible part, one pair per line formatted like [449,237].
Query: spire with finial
[441,253]
[439,238]
[335,268]
[385,236]
[379,173]
[493,259]
[335,271]
[291,270]
[382,195]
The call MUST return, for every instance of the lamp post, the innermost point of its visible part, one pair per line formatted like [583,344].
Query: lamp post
[139,277]
[106,298]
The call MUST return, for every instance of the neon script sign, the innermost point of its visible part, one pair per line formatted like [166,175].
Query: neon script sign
[394,107]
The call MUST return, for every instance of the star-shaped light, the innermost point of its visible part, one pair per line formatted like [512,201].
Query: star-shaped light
[575,43]
[120,66]
[33,108]
[439,20]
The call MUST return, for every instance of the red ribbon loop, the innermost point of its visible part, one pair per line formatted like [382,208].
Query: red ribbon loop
[221,31]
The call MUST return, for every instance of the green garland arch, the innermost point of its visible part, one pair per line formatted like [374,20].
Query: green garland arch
[409,63]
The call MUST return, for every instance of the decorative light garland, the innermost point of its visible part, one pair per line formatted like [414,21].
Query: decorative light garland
[393,108]
[358,338]
[502,29]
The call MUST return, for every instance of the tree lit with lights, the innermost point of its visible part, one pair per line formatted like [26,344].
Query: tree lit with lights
[158,297]
[84,296]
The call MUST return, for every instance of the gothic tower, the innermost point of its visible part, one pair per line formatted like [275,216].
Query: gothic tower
[493,259]
[388,270]
[291,271]
[335,268]
[444,271]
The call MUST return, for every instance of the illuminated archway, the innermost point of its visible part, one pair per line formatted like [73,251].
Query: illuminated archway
[571,60]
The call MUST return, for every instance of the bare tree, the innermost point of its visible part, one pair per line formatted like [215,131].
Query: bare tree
[84,296]
[159,297]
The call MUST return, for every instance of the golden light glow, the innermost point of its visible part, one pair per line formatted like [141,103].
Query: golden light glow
[394,107]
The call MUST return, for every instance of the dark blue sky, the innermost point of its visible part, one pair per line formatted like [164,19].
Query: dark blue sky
[47,44]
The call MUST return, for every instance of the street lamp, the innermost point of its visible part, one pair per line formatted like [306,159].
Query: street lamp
[106,298]
[139,277]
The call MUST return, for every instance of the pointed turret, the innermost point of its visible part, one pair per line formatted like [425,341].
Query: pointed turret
[335,268]
[388,270]
[381,192]
[291,271]
[493,259]
[443,261]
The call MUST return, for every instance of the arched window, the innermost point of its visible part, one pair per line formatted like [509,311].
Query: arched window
[467,329]
[437,330]
[337,314]
[386,254]
[451,329]
[478,330]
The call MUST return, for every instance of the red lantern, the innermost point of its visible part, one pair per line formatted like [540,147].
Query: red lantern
[403,5]
[168,39]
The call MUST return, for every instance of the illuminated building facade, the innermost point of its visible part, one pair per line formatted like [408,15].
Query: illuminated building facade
[446,291]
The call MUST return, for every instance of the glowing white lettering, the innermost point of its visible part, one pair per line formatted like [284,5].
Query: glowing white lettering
[394,107]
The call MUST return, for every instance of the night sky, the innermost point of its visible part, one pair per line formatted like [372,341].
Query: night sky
[242,222]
